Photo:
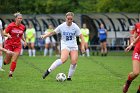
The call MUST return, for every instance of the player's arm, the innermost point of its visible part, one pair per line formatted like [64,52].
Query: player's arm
[6,34]
[82,43]
[106,32]
[133,42]
[48,34]
[1,31]
[23,39]
[5,50]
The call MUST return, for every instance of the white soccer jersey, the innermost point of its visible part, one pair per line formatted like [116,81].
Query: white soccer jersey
[0,27]
[0,31]
[68,34]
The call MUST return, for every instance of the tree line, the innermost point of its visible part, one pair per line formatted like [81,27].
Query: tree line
[63,6]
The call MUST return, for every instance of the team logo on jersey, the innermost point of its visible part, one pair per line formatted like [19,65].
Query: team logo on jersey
[17,31]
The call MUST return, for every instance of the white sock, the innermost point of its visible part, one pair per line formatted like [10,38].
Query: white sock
[21,52]
[1,61]
[30,52]
[55,64]
[87,52]
[50,51]
[71,70]
[33,51]
[45,51]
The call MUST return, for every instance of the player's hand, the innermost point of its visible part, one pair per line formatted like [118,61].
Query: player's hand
[9,36]
[9,52]
[128,48]
[42,36]
[25,44]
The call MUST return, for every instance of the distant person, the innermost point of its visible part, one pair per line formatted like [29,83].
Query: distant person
[85,33]
[30,39]
[15,33]
[135,58]
[132,30]
[68,30]
[1,45]
[50,42]
[103,40]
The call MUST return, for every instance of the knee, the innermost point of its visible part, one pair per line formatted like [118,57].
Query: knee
[73,62]
[63,60]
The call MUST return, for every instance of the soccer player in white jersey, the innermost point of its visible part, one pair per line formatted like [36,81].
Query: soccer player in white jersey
[1,57]
[68,30]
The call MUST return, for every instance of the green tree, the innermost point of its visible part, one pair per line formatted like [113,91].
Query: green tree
[63,6]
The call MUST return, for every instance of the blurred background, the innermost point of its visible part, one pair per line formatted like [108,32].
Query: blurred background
[116,15]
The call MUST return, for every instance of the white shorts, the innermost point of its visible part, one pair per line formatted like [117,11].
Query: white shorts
[68,48]
[1,40]
[47,40]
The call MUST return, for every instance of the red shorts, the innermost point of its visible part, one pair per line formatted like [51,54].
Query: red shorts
[136,53]
[14,48]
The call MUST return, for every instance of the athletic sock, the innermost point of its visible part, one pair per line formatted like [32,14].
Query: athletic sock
[71,70]
[87,52]
[13,66]
[45,51]
[50,51]
[55,64]
[30,52]
[21,52]
[1,61]
[33,52]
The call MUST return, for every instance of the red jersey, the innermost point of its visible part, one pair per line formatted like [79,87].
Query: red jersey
[16,33]
[131,35]
[136,52]
[137,28]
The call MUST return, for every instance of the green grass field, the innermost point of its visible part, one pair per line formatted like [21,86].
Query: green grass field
[95,74]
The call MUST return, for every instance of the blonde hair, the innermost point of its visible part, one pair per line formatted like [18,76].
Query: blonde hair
[70,14]
[17,14]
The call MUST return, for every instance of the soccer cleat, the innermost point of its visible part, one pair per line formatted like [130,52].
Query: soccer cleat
[2,69]
[69,79]
[126,86]
[138,91]
[10,75]
[4,63]
[45,74]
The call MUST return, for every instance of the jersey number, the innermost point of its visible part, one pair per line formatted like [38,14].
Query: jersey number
[17,35]
[68,38]
[137,56]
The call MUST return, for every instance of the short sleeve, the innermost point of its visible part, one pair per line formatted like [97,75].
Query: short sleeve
[8,29]
[78,31]
[57,29]
[87,32]
[34,31]
[45,32]
[0,24]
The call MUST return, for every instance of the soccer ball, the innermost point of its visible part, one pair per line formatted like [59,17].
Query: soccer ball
[60,77]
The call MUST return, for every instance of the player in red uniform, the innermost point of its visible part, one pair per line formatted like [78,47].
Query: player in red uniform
[135,59]
[15,32]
